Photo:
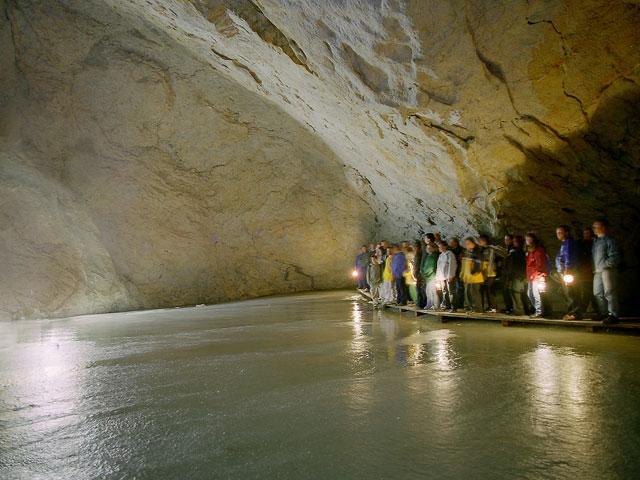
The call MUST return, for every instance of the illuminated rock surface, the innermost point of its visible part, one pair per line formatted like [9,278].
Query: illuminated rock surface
[172,152]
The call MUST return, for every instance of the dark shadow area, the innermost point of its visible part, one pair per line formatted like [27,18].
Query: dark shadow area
[591,173]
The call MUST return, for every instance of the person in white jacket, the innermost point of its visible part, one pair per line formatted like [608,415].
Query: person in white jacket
[446,275]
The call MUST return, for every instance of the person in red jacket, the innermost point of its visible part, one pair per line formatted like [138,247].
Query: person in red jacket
[537,272]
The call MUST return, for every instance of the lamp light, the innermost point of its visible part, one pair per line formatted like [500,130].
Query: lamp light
[542,284]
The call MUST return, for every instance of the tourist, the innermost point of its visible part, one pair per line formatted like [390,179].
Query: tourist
[428,272]
[537,272]
[437,238]
[405,247]
[374,278]
[409,278]
[386,290]
[471,275]
[490,272]
[567,267]
[607,259]
[446,276]
[362,262]
[585,262]
[398,265]
[421,300]
[458,291]
[506,276]
[429,238]
[514,276]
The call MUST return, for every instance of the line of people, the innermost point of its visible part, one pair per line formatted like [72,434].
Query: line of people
[442,275]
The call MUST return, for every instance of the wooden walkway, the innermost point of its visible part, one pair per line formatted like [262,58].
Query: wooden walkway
[627,325]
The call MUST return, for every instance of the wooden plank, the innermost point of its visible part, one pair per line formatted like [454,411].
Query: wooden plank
[625,326]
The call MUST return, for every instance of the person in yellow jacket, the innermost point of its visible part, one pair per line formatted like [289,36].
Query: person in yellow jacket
[471,275]
[409,279]
[386,291]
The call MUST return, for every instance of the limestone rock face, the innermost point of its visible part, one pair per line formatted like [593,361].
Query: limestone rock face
[160,153]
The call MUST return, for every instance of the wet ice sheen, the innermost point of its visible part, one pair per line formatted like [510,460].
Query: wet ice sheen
[313,386]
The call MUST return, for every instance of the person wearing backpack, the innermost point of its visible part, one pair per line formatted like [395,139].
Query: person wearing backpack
[607,259]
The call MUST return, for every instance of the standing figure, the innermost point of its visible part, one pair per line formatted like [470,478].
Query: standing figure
[428,272]
[386,290]
[398,266]
[362,263]
[607,259]
[409,278]
[446,275]
[374,278]
[458,291]
[568,268]
[505,275]
[421,301]
[490,271]
[537,272]
[585,260]
[471,275]
[514,276]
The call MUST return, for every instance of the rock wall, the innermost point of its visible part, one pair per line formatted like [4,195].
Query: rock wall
[171,152]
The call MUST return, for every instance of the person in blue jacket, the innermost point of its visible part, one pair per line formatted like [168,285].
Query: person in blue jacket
[568,269]
[398,266]
[607,259]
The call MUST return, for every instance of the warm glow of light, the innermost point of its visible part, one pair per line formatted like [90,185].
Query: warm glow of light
[568,279]
[438,285]
[354,274]
[542,285]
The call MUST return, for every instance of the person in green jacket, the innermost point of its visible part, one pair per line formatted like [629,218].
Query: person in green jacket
[428,271]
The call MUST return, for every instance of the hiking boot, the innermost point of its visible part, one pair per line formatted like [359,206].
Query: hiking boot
[536,315]
[570,316]
[610,320]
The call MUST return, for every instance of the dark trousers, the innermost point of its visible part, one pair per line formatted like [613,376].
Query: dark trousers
[362,278]
[458,294]
[422,297]
[488,297]
[401,290]
[472,299]
[448,290]
[507,295]
[572,297]
[586,292]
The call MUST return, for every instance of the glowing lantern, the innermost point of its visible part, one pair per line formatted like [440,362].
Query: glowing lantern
[568,279]
[354,274]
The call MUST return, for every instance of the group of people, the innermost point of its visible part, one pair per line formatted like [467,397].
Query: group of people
[445,275]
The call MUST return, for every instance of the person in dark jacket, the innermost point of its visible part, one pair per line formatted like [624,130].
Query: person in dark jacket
[362,263]
[458,289]
[607,258]
[585,260]
[398,266]
[514,276]
[506,294]
[420,286]
[568,269]
[537,272]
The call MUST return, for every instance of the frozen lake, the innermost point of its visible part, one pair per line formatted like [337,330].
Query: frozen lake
[313,386]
